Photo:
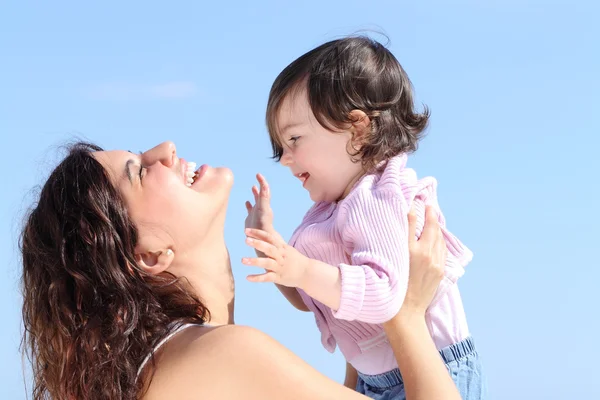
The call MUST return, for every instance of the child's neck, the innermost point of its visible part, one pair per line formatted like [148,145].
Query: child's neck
[351,184]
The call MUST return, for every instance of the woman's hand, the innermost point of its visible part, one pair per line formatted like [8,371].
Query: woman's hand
[427,261]
[425,375]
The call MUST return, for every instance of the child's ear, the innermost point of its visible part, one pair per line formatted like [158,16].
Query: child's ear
[361,126]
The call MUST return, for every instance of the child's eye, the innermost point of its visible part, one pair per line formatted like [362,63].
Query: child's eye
[293,139]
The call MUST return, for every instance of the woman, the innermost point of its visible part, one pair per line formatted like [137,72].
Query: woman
[121,257]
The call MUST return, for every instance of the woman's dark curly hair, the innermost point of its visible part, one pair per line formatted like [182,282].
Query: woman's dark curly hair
[353,73]
[90,313]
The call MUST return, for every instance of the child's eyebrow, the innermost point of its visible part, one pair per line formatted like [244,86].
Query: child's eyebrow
[289,126]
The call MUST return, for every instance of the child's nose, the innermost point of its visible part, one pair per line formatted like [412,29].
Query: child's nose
[286,158]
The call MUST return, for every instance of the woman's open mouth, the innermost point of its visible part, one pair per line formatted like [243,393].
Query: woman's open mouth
[193,175]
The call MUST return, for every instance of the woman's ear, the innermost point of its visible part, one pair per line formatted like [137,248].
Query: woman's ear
[155,262]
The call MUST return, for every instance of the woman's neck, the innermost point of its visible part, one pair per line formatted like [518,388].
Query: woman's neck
[208,270]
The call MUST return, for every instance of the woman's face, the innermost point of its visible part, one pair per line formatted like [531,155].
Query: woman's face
[167,211]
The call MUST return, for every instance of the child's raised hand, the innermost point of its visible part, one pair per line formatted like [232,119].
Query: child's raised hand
[284,264]
[260,215]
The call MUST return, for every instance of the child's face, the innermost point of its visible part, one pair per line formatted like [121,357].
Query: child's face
[316,156]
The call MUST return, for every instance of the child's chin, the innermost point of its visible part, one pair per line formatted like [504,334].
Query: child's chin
[319,197]
[315,196]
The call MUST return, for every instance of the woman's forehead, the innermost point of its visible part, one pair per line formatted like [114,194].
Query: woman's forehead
[114,162]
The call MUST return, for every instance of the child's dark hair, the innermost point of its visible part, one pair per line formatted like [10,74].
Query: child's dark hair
[353,73]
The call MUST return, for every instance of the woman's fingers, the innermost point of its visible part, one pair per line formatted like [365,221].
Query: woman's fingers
[440,250]
[412,225]
[431,229]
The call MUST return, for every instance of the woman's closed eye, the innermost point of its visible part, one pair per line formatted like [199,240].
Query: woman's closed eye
[142,168]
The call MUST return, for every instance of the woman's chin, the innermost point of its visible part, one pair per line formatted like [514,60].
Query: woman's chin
[226,176]
[214,180]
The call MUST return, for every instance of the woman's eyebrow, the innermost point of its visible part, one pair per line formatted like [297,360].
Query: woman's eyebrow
[128,165]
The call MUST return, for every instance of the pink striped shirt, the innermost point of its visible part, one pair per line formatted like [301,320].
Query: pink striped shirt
[366,236]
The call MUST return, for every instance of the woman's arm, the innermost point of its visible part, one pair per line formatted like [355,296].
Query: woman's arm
[425,376]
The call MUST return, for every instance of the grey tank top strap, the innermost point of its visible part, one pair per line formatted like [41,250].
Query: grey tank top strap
[165,340]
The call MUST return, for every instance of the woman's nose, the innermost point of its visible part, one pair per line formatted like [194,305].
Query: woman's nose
[165,153]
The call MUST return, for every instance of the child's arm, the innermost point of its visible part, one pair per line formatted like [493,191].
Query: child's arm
[292,295]
[260,216]
[351,377]
[372,286]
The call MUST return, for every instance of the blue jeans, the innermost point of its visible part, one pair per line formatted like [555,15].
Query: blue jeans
[462,361]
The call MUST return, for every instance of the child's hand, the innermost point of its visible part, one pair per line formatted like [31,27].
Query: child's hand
[284,264]
[260,216]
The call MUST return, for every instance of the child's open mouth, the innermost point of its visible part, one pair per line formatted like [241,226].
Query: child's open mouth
[303,176]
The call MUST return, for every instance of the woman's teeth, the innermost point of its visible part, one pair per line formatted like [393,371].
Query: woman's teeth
[190,173]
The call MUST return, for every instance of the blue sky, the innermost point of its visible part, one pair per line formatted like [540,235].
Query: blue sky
[513,88]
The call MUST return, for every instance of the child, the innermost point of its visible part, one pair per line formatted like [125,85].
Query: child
[341,117]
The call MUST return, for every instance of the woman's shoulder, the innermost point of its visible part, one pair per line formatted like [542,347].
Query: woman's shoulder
[200,357]
[202,344]
[232,362]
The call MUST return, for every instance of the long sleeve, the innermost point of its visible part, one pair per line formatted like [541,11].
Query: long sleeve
[365,236]
[374,230]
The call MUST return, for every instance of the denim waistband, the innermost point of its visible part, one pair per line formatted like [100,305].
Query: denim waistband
[391,378]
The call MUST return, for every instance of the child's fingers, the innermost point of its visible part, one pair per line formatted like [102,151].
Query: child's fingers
[264,187]
[266,248]
[248,207]
[262,262]
[268,276]
[432,227]
[259,234]
[264,193]
[255,193]
[412,226]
